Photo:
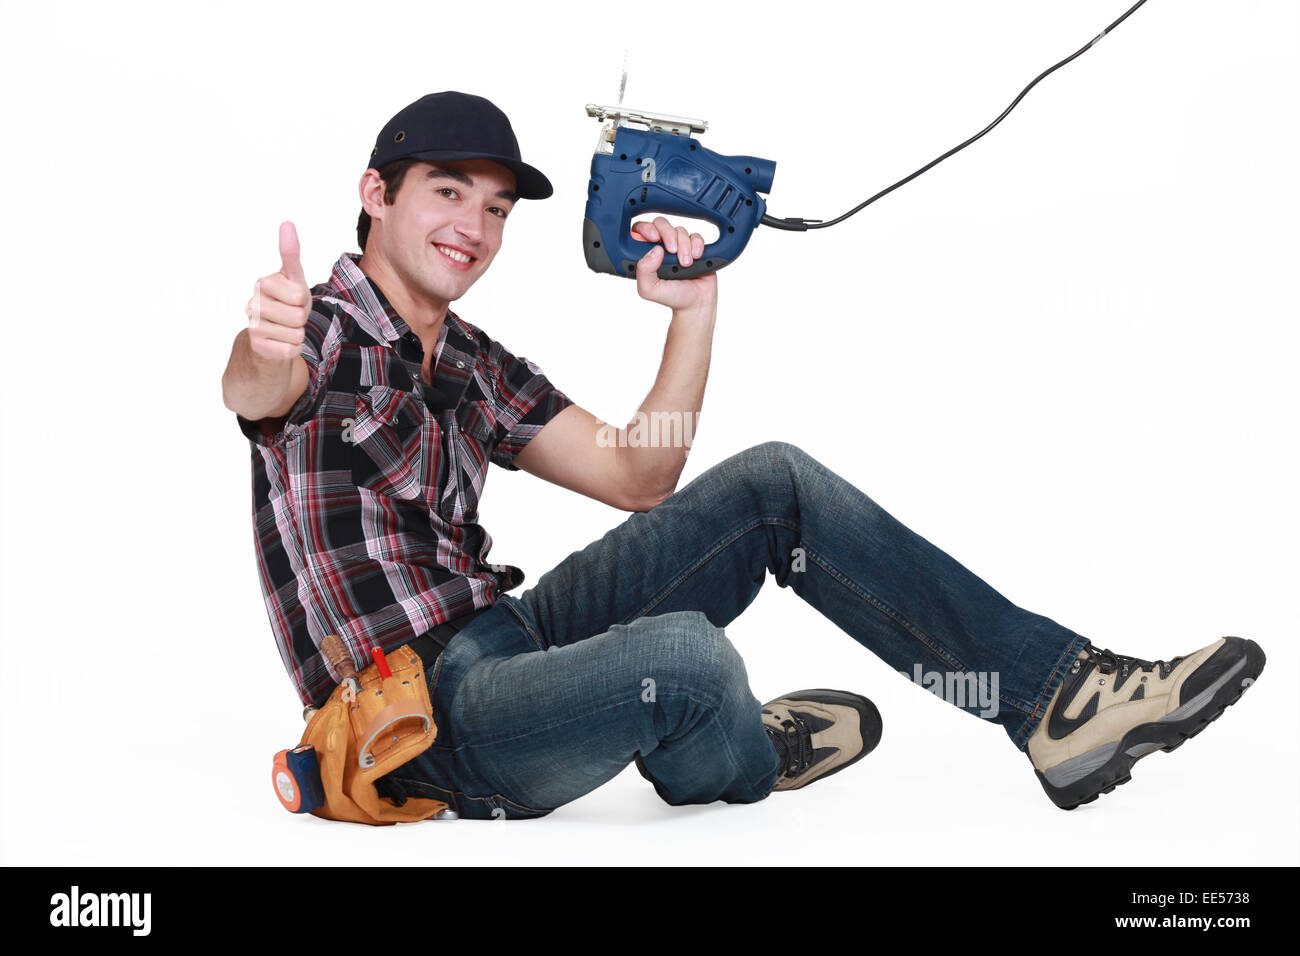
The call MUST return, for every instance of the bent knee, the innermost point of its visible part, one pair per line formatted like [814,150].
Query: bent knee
[770,452]
[686,649]
[770,470]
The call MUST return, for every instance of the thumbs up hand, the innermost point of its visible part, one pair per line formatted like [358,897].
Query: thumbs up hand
[281,304]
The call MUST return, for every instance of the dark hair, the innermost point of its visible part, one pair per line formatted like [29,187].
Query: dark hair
[392,175]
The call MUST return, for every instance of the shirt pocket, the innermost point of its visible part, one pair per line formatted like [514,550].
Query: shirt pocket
[473,437]
[387,446]
[478,420]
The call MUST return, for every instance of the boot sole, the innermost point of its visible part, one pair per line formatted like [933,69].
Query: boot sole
[1083,779]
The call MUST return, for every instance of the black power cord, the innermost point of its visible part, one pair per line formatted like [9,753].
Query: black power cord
[797,224]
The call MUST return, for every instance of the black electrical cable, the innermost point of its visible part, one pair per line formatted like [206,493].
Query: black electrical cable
[800,225]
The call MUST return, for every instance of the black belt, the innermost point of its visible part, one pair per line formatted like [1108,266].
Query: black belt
[431,644]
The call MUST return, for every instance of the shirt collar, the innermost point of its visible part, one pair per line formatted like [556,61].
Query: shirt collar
[377,316]
[455,356]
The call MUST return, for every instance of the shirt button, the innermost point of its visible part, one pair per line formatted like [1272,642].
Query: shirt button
[460,364]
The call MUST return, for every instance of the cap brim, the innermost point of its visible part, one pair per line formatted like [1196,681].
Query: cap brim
[530,183]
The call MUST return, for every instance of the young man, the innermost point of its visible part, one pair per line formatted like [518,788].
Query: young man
[374,410]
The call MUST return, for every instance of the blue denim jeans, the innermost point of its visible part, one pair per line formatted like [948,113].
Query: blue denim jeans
[619,650]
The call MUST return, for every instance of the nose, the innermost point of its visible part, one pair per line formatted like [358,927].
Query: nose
[471,224]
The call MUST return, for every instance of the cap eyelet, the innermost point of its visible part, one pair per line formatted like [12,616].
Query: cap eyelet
[399,137]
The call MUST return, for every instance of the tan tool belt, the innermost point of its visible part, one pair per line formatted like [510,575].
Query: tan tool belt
[367,729]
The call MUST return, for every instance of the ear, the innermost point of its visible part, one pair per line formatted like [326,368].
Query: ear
[371,189]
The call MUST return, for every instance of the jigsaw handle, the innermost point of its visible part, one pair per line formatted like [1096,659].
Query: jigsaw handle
[650,172]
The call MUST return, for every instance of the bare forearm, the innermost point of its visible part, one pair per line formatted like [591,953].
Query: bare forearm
[257,387]
[659,436]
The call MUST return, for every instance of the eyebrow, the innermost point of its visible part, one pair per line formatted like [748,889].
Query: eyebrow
[460,177]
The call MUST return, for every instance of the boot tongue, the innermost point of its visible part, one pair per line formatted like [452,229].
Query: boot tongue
[782,749]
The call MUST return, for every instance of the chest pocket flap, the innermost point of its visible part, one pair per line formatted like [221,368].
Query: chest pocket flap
[478,419]
[388,441]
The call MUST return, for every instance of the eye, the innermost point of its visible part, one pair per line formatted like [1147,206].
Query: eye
[496,210]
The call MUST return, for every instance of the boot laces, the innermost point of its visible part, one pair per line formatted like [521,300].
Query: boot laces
[1108,662]
[793,744]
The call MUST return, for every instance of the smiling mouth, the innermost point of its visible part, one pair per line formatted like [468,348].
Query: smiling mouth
[458,260]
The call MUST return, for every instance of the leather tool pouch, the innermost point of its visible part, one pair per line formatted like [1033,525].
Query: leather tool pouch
[360,735]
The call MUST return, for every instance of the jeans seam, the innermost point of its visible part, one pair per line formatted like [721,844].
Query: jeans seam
[722,543]
[1049,688]
[939,650]
[536,638]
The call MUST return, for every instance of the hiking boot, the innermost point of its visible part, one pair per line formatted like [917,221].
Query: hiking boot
[1112,710]
[819,732]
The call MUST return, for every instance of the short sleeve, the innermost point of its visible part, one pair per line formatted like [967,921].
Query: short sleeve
[525,401]
[319,348]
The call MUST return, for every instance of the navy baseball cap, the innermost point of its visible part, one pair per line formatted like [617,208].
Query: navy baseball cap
[452,125]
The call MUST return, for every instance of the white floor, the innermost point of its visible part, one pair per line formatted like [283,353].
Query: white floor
[942,788]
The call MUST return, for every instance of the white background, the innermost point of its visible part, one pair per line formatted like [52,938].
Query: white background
[1066,356]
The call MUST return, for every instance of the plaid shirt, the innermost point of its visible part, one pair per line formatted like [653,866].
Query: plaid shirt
[365,498]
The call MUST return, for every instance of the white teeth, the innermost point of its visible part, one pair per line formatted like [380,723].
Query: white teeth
[453,254]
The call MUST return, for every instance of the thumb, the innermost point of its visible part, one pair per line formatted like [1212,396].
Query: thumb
[647,270]
[649,263]
[290,261]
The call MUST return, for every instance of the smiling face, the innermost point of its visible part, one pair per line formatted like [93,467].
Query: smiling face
[441,233]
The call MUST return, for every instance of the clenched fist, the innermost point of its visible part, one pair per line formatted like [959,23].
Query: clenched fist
[281,304]
[700,292]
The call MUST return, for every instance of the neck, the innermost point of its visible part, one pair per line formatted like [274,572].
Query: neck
[425,315]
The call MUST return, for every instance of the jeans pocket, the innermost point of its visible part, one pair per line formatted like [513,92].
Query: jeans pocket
[492,807]
[503,808]
[520,614]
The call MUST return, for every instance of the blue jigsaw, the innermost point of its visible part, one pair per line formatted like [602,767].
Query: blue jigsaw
[663,169]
